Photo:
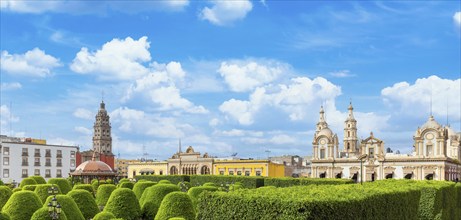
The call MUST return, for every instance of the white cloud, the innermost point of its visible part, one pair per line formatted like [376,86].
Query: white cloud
[342,74]
[90,7]
[239,133]
[83,130]
[457,18]
[214,122]
[119,59]
[242,111]
[32,63]
[279,139]
[243,76]
[83,114]
[407,98]
[6,117]
[226,12]
[10,86]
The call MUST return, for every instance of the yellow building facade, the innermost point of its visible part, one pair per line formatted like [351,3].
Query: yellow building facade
[147,168]
[248,168]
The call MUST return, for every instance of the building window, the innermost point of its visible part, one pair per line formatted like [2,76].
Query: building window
[59,154]
[247,173]
[25,161]
[48,173]
[6,161]
[371,152]
[322,153]
[6,173]
[59,162]
[258,173]
[429,150]
[37,172]
[72,154]
[47,153]
[37,153]
[37,162]
[25,152]
[348,133]
[24,173]
[72,163]
[239,173]
[134,173]
[221,172]
[161,172]
[58,173]
[6,151]
[48,162]
[231,173]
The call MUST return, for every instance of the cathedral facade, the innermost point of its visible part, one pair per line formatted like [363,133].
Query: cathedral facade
[436,154]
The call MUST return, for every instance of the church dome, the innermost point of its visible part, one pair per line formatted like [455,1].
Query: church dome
[93,167]
[431,123]
[325,132]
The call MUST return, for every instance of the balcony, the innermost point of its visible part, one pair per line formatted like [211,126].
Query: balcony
[58,175]
[48,164]
[59,164]
[37,164]
[24,175]
[58,155]
[47,154]
[37,155]
[25,163]
[47,175]
[25,154]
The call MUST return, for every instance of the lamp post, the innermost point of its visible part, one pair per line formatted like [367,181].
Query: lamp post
[54,208]
[361,157]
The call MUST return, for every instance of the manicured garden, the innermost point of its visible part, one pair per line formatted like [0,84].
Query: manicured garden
[233,197]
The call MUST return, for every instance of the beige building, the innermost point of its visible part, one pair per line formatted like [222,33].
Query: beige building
[121,167]
[147,168]
[436,154]
[248,168]
[190,163]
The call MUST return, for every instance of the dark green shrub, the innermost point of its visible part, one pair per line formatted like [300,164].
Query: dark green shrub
[124,180]
[109,181]
[139,187]
[128,185]
[68,205]
[1,182]
[42,191]
[247,181]
[175,179]
[103,194]
[85,202]
[194,192]
[27,181]
[164,182]
[142,180]
[17,189]
[86,187]
[38,179]
[177,218]
[104,216]
[5,194]
[152,197]
[123,204]
[42,214]
[209,184]
[63,184]
[22,205]
[176,204]
[29,187]
[290,181]
[4,216]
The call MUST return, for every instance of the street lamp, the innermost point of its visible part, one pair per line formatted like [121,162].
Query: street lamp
[54,208]
[361,157]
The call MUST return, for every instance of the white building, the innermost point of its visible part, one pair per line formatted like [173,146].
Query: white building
[20,158]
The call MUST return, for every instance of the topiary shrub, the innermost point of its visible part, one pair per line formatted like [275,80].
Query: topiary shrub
[29,187]
[42,214]
[86,187]
[42,191]
[38,179]
[63,184]
[5,194]
[128,185]
[194,192]
[139,187]
[164,182]
[123,204]
[1,182]
[22,205]
[109,181]
[153,196]
[176,204]
[103,194]
[27,181]
[104,216]
[4,216]
[17,189]
[177,218]
[209,184]
[124,180]
[85,202]
[68,206]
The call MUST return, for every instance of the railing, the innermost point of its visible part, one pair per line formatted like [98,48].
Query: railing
[37,155]
[58,175]
[26,154]
[37,164]
[59,164]
[25,163]
[47,175]
[24,175]
[47,154]
[48,164]
[59,156]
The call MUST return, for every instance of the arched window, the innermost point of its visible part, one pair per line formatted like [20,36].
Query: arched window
[205,170]
[173,170]
[348,146]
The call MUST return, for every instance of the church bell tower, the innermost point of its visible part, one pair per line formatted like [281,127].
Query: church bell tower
[350,132]
[102,139]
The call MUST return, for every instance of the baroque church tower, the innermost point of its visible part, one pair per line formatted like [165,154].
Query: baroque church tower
[350,132]
[102,139]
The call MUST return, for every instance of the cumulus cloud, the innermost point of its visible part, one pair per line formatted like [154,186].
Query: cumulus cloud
[243,76]
[10,86]
[90,7]
[342,74]
[34,62]
[83,114]
[6,117]
[83,130]
[119,59]
[226,12]
[415,99]
[279,139]
[457,18]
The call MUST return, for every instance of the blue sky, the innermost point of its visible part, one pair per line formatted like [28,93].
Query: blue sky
[227,76]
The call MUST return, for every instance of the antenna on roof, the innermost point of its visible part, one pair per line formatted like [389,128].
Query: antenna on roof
[179,150]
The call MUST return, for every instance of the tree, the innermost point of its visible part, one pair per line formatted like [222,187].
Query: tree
[139,187]
[27,181]
[5,194]
[43,214]
[22,205]
[42,191]
[104,216]
[63,184]
[103,194]
[87,187]
[68,206]
[123,204]
[176,204]
[85,202]
[153,196]
[38,179]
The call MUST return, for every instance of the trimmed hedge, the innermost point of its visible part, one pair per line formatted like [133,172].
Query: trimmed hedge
[290,181]
[38,179]
[68,206]
[139,187]
[42,214]
[176,204]
[27,181]
[194,192]
[22,205]
[87,187]
[29,187]
[175,179]
[4,216]
[209,184]
[103,194]
[128,185]
[165,182]
[123,204]
[5,194]
[249,182]
[152,198]
[85,202]
[17,189]
[42,191]
[104,216]
[63,184]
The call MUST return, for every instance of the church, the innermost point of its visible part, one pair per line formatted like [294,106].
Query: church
[436,154]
